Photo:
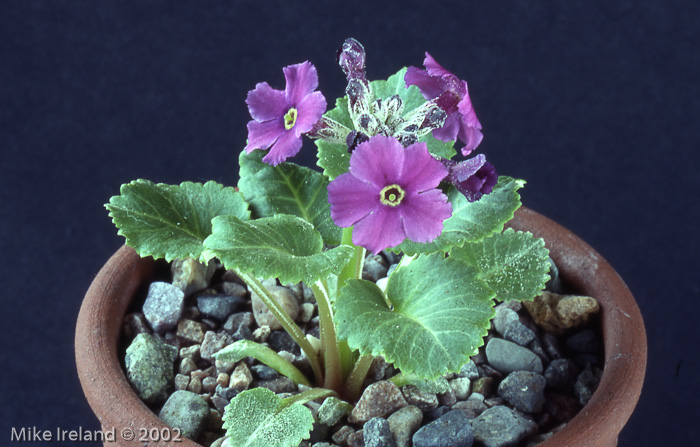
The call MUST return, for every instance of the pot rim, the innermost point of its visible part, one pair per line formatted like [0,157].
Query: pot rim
[583,270]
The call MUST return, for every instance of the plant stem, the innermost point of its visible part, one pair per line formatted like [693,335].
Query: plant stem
[329,347]
[312,394]
[353,385]
[285,320]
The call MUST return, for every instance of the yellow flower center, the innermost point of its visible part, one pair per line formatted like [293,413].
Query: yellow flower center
[391,195]
[290,119]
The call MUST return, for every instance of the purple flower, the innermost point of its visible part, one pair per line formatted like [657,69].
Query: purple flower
[390,193]
[281,117]
[473,177]
[453,98]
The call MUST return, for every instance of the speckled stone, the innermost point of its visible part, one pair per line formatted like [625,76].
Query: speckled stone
[163,306]
[186,411]
[286,300]
[380,399]
[403,423]
[524,390]
[376,433]
[500,426]
[451,430]
[150,368]
[507,357]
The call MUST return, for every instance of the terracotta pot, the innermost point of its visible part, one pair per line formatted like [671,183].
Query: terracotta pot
[582,269]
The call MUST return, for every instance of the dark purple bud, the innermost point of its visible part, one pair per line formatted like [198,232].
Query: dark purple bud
[473,177]
[354,138]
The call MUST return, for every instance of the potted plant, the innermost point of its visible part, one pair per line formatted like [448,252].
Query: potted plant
[389,181]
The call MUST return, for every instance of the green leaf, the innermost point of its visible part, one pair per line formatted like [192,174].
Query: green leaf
[333,158]
[441,312]
[171,221]
[395,85]
[472,221]
[241,349]
[283,246]
[260,418]
[514,264]
[439,148]
[287,189]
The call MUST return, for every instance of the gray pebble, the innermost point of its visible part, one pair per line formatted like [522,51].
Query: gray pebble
[163,306]
[284,297]
[561,373]
[504,317]
[150,368]
[264,372]
[190,275]
[586,384]
[282,341]
[451,430]
[279,385]
[469,370]
[421,399]
[375,267]
[376,433]
[226,392]
[500,426]
[186,411]
[550,343]
[213,343]
[461,387]
[332,410]
[524,390]
[507,357]
[218,307]
[235,320]
[519,333]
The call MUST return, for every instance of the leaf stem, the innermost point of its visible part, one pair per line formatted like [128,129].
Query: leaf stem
[285,320]
[246,348]
[329,342]
[353,385]
[312,394]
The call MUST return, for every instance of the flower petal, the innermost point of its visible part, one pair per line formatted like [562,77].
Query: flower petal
[381,229]
[351,199]
[429,86]
[302,79]
[420,170]
[449,130]
[378,161]
[309,111]
[433,68]
[470,127]
[265,103]
[423,215]
[263,135]
[286,146]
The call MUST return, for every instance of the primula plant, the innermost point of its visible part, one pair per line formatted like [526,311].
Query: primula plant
[395,175]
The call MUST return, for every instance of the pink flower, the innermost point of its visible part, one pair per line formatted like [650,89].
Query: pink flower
[389,194]
[281,117]
[453,98]
[473,177]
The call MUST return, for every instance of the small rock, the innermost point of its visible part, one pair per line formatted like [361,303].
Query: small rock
[150,368]
[261,334]
[561,374]
[195,385]
[554,284]
[264,372]
[187,365]
[340,437]
[403,423]
[187,412]
[209,384]
[332,410]
[562,407]
[190,331]
[213,343]
[242,333]
[181,382]
[550,343]
[190,275]
[469,370]
[135,324]
[437,413]
[380,399]
[240,378]
[558,313]
[279,385]
[586,384]
[356,439]
[215,420]
[191,352]
[163,306]
[507,357]
[218,307]
[307,312]
[536,347]
[421,399]
[473,406]
[375,267]
[226,392]
[461,387]
[500,426]
[286,300]
[447,398]
[282,341]
[223,379]
[483,386]
[219,403]
[451,430]
[233,289]
[504,317]
[519,333]
[524,390]
[585,342]
[376,433]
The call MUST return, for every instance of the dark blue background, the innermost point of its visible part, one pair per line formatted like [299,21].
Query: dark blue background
[594,103]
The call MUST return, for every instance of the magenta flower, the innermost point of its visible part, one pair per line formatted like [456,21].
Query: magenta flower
[473,177]
[453,98]
[281,117]
[390,193]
